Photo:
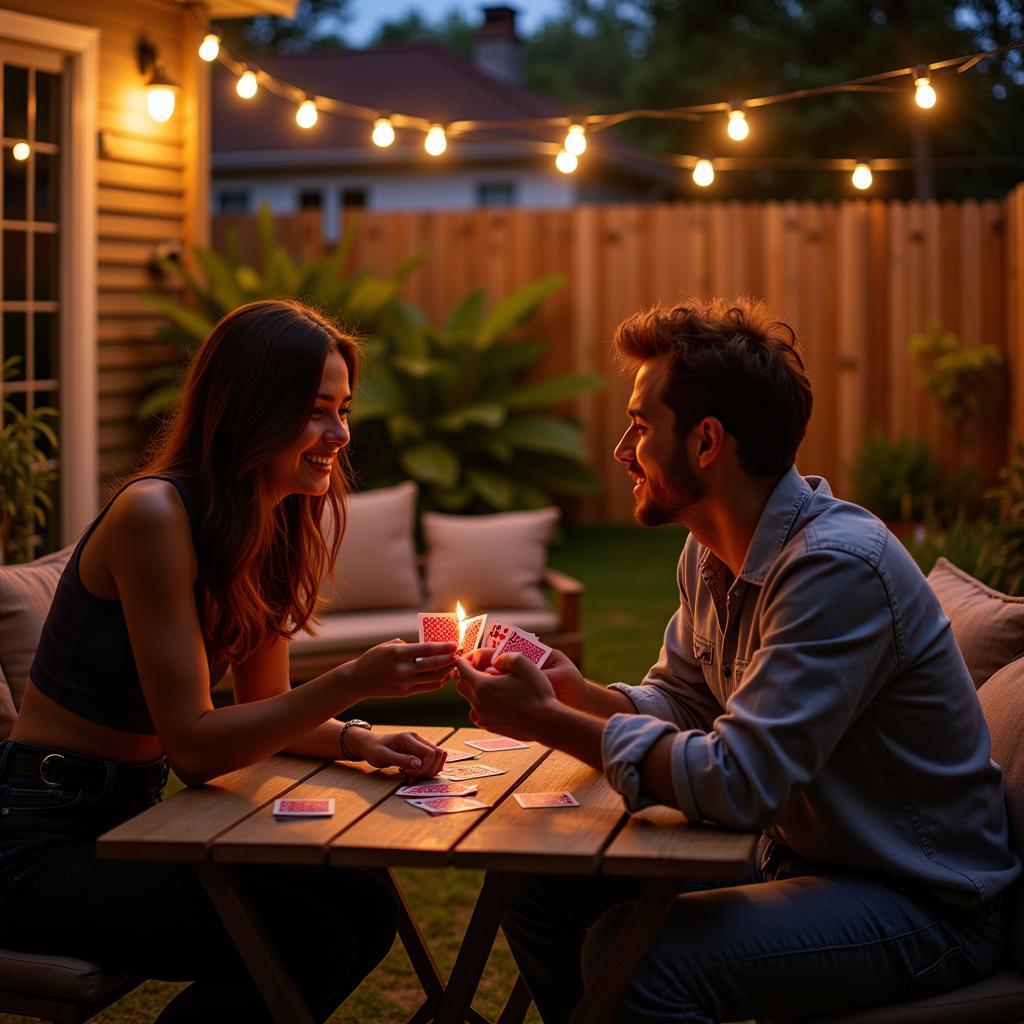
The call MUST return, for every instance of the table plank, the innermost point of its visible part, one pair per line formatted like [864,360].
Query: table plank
[547,839]
[657,843]
[183,827]
[398,835]
[355,788]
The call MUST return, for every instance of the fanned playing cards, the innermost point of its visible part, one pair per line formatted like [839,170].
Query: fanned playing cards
[444,628]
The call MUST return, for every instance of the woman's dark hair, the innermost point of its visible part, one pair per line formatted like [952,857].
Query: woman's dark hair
[732,361]
[247,396]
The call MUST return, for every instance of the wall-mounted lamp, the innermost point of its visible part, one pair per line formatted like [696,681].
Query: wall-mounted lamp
[161,89]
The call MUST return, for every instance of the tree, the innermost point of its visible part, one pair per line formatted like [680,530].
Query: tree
[453,30]
[316,23]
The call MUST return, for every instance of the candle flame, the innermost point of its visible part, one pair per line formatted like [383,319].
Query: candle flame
[460,614]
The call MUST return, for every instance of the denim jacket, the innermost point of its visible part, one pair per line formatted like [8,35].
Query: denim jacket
[820,696]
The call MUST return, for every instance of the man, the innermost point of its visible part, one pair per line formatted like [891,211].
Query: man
[808,686]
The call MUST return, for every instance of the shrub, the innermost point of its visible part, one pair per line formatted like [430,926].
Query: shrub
[897,480]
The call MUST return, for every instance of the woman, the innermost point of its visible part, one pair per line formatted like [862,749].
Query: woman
[211,555]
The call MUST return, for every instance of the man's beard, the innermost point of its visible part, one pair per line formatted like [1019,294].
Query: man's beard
[665,501]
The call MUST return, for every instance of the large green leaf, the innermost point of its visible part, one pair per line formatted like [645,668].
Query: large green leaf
[546,435]
[468,314]
[514,356]
[553,391]
[369,297]
[325,278]
[497,489]
[431,463]
[220,278]
[377,395]
[561,475]
[516,309]
[403,428]
[485,414]
[191,320]
[418,367]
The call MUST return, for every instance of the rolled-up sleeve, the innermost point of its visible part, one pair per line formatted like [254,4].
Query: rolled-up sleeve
[624,745]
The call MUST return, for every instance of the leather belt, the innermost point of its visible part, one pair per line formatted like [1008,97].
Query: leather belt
[63,770]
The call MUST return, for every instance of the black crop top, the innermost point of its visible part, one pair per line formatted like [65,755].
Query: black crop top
[84,659]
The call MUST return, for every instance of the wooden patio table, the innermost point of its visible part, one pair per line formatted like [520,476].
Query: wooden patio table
[230,822]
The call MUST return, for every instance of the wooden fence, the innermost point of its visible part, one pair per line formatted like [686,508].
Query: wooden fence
[855,279]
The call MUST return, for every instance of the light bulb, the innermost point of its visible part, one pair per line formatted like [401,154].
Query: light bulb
[160,102]
[21,151]
[566,162]
[924,93]
[862,176]
[704,173]
[383,132]
[306,115]
[210,46]
[575,140]
[738,127]
[247,85]
[435,143]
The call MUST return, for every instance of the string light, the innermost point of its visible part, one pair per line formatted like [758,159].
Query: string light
[435,143]
[566,162]
[924,91]
[306,115]
[21,151]
[209,48]
[575,141]
[383,132]
[703,172]
[862,176]
[738,127]
[247,85]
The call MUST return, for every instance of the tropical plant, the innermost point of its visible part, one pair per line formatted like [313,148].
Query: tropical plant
[448,407]
[897,480]
[25,475]
[358,299]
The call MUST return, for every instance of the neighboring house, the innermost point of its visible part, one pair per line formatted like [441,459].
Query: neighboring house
[103,189]
[261,155]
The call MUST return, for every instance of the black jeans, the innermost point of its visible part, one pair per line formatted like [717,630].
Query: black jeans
[330,926]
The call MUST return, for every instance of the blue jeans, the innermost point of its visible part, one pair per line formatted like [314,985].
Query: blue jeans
[798,939]
[329,926]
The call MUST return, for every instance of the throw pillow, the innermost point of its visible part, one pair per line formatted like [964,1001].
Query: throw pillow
[376,566]
[25,595]
[988,626]
[494,561]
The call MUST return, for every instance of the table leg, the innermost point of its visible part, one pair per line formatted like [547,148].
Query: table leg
[456,1003]
[625,953]
[257,951]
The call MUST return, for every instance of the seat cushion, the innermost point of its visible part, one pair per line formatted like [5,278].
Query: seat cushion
[988,626]
[376,565]
[56,977]
[487,562]
[354,630]
[25,595]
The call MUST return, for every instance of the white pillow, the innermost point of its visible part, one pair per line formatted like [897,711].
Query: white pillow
[376,566]
[495,561]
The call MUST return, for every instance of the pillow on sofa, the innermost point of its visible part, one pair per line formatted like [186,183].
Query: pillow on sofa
[1002,700]
[988,626]
[376,566]
[25,595]
[494,561]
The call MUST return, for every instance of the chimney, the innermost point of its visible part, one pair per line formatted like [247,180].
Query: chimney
[498,50]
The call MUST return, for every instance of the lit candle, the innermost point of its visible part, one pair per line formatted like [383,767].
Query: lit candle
[460,614]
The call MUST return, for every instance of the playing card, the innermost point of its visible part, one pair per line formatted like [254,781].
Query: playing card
[438,628]
[464,772]
[458,755]
[497,743]
[496,634]
[448,804]
[563,799]
[517,642]
[286,808]
[438,789]
[472,632]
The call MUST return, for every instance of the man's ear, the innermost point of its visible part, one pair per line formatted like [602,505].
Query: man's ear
[710,438]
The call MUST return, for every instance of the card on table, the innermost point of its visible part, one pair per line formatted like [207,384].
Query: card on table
[491,743]
[563,799]
[454,755]
[465,772]
[287,808]
[448,804]
[442,788]
[524,643]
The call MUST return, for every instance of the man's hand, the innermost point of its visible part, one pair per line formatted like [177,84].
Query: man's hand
[511,696]
[566,680]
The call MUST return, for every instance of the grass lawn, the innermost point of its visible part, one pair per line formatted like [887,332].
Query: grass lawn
[630,577]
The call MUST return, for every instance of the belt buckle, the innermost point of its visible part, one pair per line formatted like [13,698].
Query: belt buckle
[42,769]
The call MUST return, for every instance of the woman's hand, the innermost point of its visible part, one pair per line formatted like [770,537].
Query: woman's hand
[406,750]
[397,669]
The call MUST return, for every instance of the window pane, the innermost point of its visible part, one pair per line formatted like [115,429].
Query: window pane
[496,193]
[47,107]
[310,199]
[15,187]
[46,266]
[47,398]
[18,399]
[15,102]
[47,183]
[234,202]
[14,264]
[14,342]
[45,346]
[353,198]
